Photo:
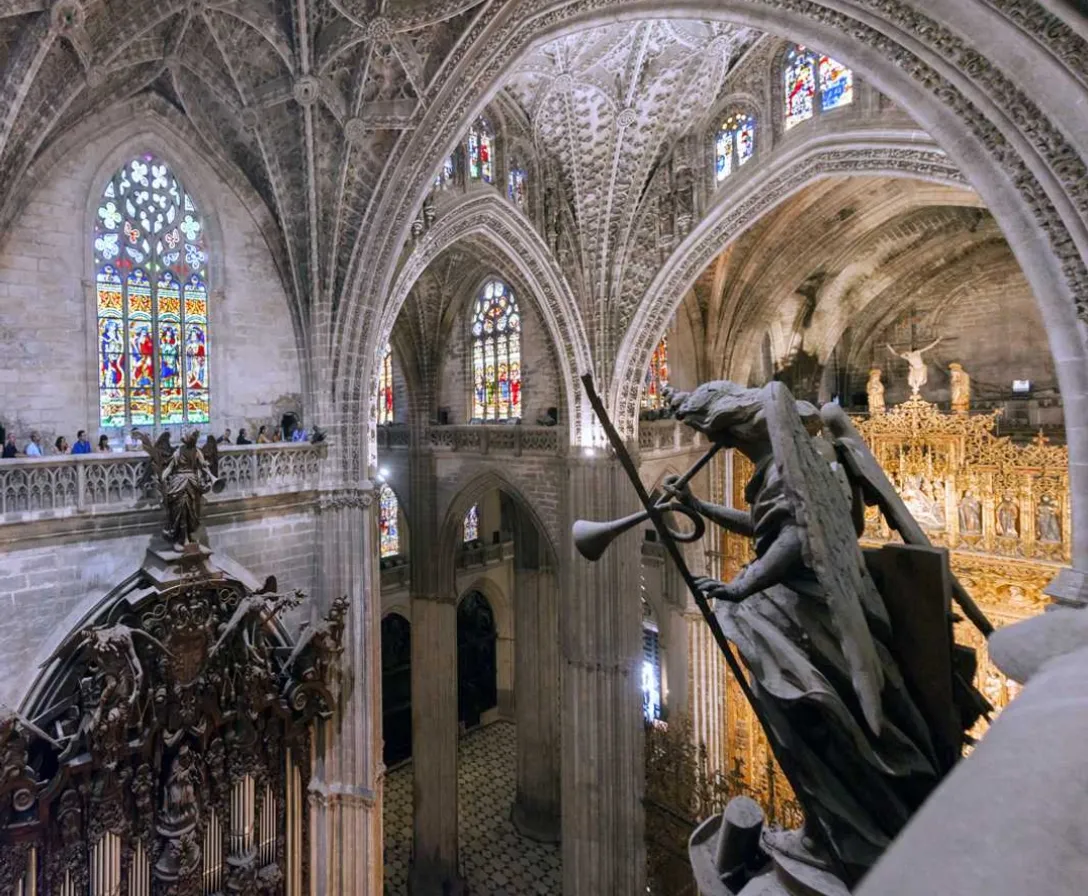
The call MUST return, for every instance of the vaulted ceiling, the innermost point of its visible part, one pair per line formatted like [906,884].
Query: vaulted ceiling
[606,105]
[306,98]
[845,253]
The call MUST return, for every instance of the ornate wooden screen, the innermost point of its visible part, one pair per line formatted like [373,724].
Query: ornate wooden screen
[166,750]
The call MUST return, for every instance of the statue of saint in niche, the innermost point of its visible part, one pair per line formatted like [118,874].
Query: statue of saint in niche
[970,514]
[1047,527]
[1008,517]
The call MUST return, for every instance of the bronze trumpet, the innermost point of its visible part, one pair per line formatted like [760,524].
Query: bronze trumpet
[592,539]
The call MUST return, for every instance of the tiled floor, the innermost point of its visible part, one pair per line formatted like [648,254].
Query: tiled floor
[495,859]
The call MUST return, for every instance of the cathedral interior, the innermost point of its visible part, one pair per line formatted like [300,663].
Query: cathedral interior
[378,253]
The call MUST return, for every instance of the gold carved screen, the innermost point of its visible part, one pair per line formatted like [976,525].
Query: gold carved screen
[1002,509]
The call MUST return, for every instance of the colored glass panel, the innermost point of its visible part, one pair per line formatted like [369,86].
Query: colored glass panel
[517,187]
[151,256]
[836,84]
[496,354]
[111,347]
[444,178]
[389,534]
[735,144]
[481,152]
[657,377]
[800,86]
[472,523]
[385,386]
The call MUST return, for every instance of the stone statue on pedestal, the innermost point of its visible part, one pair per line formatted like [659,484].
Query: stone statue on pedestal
[961,388]
[875,389]
[917,375]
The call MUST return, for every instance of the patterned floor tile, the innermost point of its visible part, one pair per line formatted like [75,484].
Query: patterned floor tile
[495,859]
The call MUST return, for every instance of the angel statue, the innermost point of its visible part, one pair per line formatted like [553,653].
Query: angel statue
[186,478]
[811,625]
[917,376]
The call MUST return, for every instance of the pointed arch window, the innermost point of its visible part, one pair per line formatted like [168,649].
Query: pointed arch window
[385,386]
[471,528]
[735,144]
[151,261]
[388,522]
[814,82]
[496,354]
[481,152]
[657,377]
[517,186]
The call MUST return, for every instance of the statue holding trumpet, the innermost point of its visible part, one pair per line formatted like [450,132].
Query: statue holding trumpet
[858,729]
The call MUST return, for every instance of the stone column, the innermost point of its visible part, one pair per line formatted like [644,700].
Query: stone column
[602,744]
[346,785]
[435,867]
[536,687]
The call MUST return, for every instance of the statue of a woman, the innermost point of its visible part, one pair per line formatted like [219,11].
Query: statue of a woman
[812,628]
[185,480]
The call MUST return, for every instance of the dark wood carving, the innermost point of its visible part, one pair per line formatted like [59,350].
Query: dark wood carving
[183,683]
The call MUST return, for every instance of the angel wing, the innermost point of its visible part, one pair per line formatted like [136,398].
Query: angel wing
[830,545]
[876,489]
[210,450]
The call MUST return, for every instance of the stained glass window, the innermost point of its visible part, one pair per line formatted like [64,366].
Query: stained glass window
[735,144]
[481,152]
[836,84]
[444,178]
[803,69]
[385,386]
[800,85]
[657,377]
[388,528]
[517,186]
[151,260]
[496,354]
[472,523]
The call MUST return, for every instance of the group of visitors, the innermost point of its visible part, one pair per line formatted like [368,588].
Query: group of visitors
[289,431]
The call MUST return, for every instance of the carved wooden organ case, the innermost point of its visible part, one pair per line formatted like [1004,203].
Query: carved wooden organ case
[166,748]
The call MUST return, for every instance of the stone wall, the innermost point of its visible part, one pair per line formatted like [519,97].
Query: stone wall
[48,349]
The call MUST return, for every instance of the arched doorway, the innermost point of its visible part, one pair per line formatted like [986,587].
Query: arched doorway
[477,668]
[396,689]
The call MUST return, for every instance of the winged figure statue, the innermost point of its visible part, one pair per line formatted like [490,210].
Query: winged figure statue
[811,625]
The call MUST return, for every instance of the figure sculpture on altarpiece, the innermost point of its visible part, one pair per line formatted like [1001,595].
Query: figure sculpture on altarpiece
[917,376]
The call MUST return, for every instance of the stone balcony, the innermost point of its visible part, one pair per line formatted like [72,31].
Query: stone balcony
[664,437]
[480,438]
[396,575]
[65,486]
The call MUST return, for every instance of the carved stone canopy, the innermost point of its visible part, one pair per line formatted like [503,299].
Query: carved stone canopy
[182,683]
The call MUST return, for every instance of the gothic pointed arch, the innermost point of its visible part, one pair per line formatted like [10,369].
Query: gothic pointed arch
[496,353]
[732,213]
[151,289]
[487,222]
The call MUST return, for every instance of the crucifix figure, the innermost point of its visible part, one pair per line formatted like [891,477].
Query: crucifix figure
[917,374]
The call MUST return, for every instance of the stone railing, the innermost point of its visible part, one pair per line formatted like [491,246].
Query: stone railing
[484,439]
[664,436]
[396,572]
[51,487]
[473,556]
[392,437]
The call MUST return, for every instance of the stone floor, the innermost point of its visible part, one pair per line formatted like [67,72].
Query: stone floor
[495,859]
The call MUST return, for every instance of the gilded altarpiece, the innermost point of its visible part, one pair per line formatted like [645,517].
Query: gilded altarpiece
[1001,508]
